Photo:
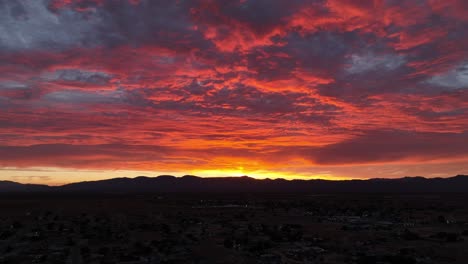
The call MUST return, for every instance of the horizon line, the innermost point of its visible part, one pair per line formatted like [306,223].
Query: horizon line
[243,176]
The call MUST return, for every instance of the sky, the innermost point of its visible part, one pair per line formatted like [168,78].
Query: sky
[334,89]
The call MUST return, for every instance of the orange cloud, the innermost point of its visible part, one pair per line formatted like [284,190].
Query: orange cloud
[266,87]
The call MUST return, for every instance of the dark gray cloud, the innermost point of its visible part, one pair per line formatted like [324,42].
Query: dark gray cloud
[30,25]
[77,75]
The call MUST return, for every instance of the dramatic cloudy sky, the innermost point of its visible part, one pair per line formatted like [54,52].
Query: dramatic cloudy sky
[270,88]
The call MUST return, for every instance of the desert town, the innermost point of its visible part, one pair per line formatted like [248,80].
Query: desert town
[224,229]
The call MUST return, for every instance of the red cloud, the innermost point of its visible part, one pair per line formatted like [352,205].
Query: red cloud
[185,85]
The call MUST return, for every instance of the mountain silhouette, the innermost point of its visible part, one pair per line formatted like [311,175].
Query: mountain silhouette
[189,183]
[9,186]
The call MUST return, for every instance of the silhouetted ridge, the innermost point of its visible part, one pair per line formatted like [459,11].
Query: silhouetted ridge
[190,183]
[9,186]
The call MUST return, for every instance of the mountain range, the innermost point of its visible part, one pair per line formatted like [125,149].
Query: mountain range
[189,183]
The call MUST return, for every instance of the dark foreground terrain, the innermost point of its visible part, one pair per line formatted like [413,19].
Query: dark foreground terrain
[233,228]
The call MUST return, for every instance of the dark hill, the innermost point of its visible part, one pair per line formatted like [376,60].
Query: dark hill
[9,186]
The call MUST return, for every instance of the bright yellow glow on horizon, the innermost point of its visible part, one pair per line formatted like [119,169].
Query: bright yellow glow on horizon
[60,176]
[263,174]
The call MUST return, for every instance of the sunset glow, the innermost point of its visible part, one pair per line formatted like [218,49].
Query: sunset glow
[333,89]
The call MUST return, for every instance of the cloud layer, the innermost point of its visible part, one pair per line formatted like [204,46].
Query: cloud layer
[254,84]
